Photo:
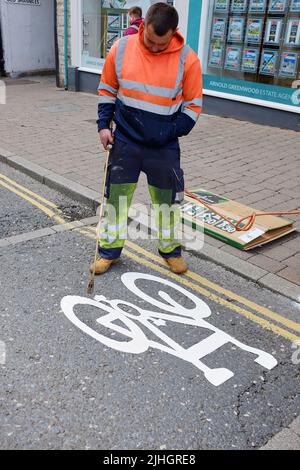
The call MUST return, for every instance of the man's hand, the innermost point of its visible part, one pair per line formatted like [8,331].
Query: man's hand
[106,137]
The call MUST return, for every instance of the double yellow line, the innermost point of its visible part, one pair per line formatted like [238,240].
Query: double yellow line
[43,204]
[201,285]
[260,315]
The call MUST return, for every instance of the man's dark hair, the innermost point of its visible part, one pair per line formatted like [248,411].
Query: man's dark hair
[163,17]
[136,11]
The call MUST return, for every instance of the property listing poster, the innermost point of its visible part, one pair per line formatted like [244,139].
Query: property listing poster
[257,6]
[218,28]
[277,6]
[292,37]
[111,38]
[221,6]
[295,6]
[273,31]
[269,62]
[236,29]
[233,58]
[239,6]
[254,30]
[288,65]
[216,55]
[113,21]
[250,60]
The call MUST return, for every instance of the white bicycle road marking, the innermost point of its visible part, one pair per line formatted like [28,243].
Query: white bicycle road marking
[177,313]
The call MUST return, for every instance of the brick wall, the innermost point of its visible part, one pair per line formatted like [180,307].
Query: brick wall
[60,38]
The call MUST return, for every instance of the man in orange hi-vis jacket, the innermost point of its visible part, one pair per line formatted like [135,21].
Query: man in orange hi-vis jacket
[151,87]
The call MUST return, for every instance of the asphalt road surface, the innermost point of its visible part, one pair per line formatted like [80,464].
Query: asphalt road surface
[151,360]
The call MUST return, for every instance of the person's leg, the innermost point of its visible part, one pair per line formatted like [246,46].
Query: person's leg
[123,173]
[166,187]
[167,218]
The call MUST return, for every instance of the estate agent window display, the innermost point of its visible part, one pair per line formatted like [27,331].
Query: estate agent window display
[255,40]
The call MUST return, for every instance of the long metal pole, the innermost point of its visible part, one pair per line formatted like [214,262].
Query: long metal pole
[90,288]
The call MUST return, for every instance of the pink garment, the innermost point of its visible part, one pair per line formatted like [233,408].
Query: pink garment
[133,28]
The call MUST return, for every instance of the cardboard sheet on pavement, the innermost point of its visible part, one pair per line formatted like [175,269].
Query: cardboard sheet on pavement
[265,229]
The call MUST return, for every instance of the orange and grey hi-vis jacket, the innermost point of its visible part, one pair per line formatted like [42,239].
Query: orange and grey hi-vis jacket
[154,98]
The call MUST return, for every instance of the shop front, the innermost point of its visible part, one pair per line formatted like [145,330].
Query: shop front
[95,26]
[249,50]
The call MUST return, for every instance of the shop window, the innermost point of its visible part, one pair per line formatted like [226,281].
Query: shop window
[254,40]
[103,22]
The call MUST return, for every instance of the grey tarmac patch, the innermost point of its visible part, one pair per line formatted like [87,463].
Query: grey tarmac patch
[64,390]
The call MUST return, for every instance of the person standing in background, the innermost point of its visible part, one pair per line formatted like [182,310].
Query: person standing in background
[135,18]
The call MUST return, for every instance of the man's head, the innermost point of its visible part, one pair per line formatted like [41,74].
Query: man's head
[161,23]
[134,14]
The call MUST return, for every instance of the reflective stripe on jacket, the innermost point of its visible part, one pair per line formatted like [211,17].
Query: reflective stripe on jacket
[154,98]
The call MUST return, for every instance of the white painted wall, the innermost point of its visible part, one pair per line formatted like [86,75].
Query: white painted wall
[182,6]
[28,36]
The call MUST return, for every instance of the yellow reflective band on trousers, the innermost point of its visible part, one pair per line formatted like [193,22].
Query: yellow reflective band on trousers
[167,219]
[113,232]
